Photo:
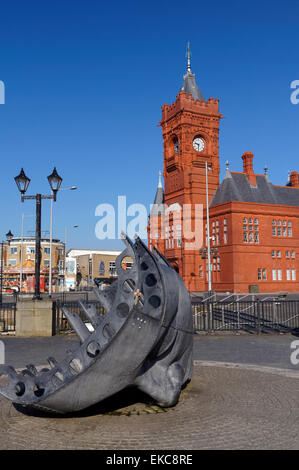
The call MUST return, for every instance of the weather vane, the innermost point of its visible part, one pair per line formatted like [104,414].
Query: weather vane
[188,55]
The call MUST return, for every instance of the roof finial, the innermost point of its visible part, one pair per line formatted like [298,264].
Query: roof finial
[160,180]
[227,165]
[266,170]
[188,55]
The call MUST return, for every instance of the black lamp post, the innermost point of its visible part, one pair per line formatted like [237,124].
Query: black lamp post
[9,236]
[22,182]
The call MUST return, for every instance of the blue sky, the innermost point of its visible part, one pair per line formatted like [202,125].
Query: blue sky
[85,81]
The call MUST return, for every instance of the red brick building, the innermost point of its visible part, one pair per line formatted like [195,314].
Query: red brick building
[254,229]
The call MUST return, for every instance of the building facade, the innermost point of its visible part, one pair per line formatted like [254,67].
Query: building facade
[19,264]
[253,225]
[95,264]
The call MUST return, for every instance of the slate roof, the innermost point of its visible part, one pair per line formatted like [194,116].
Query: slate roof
[159,199]
[190,86]
[236,187]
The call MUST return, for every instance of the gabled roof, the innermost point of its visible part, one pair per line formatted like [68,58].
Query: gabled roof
[236,187]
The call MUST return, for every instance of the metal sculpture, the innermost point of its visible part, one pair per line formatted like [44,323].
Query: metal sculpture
[144,339]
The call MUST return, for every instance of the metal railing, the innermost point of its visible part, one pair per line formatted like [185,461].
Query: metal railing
[268,316]
[60,322]
[7,317]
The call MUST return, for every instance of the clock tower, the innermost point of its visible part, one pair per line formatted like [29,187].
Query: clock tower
[190,129]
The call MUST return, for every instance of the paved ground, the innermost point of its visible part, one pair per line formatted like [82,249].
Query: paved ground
[244,395]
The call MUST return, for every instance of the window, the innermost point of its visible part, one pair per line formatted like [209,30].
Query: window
[284,231]
[256,237]
[274,231]
[293,254]
[244,220]
[293,274]
[250,220]
[279,222]
[290,233]
[12,262]
[279,274]
[278,254]
[179,235]
[46,262]
[47,250]
[225,221]
[264,274]
[30,250]
[60,251]
[289,223]
[259,274]
[250,237]
[287,254]
[274,275]
[13,250]
[112,268]
[288,274]
[273,253]
[225,237]
[273,222]
[245,237]
[284,223]
[279,231]
[102,268]
[200,272]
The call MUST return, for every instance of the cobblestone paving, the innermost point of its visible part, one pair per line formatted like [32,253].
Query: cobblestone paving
[222,408]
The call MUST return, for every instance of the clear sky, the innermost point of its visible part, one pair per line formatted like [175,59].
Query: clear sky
[85,81]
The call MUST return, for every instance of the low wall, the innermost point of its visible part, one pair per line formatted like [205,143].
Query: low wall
[34,318]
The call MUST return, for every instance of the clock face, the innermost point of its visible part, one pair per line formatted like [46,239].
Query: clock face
[198,144]
[176,147]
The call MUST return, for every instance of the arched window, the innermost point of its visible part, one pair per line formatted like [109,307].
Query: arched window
[102,268]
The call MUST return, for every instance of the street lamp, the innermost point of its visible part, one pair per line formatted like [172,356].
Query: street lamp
[21,254]
[51,237]
[9,236]
[22,182]
[208,231]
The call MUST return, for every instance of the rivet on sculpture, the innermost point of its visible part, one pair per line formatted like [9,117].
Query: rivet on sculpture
[144,339]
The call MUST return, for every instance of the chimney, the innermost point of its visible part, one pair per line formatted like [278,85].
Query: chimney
[247,158]
[294,177]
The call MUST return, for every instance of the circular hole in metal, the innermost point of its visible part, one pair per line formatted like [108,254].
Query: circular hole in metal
[20,389]
[123,310]
[38,391]
[154,301]
[127,263]
[75,366]
[108,331]
[144,266]
[4,380]
[150,280]
[93,349]
[128,286]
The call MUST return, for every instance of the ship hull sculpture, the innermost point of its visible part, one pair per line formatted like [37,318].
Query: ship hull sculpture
[145,340]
